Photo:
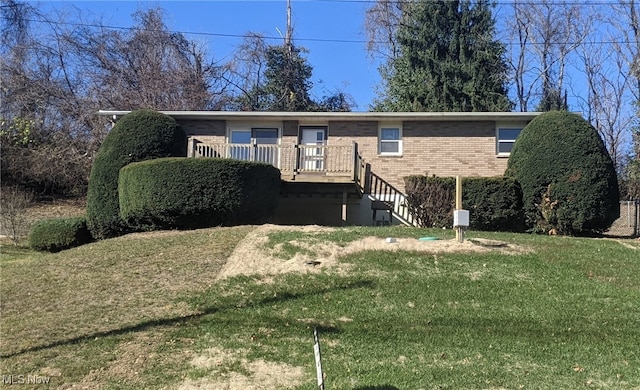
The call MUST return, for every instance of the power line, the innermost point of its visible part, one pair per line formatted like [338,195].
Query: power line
[585,2]
[322,40]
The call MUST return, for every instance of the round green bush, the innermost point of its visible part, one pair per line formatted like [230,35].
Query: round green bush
[137,136]
[54,235]
[188,193]
[568,179]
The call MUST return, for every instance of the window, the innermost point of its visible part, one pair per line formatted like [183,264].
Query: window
[254,144]
[240,141]
[390,140]
[506,137]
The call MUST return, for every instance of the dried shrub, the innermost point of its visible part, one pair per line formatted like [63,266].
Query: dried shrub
[14,203]
[430,200]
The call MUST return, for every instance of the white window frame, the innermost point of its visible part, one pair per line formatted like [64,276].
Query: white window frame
[499,141]
[383,126]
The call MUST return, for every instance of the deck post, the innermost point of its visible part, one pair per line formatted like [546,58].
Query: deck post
[296,157]
[354,159]
[344,207]
[191,147]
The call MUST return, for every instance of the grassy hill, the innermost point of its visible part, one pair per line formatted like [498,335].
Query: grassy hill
[153,311]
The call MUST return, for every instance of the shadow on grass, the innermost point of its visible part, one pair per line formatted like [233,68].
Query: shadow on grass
[184,319]
[383,387]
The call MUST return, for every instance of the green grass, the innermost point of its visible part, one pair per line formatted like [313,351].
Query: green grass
[563,313]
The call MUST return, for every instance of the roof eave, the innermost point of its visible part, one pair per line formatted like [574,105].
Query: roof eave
[341,116]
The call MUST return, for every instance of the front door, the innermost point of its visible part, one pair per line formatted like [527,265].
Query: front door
[313,139]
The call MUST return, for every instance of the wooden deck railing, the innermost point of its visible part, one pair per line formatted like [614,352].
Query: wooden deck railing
[380,190]
[336,160]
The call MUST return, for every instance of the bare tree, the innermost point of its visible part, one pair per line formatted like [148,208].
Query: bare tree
[547,33]
[381,24]
[608,82]
[245,72]
[145,67]
[42,109]
[57,76]
[626,21]
[14,203]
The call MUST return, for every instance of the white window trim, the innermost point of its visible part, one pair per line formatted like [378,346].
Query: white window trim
[380,141]
[498,140]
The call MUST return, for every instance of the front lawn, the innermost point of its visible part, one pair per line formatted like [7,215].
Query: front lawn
[148,311]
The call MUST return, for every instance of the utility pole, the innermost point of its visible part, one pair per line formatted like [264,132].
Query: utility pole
[289,33]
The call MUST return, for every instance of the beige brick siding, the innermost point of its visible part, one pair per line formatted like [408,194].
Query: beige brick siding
[431,148]
[442,148]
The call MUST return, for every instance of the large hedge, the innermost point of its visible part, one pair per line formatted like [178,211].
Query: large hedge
[188,193]
[494,203]
[568,179]
[137,136]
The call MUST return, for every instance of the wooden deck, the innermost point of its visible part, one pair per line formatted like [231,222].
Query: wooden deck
[297,163]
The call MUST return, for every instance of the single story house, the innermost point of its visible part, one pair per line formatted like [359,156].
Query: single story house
[349,167]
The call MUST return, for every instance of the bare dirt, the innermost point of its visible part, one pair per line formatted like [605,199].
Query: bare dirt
[252,257]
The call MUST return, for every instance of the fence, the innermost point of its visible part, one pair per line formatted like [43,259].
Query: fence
[628,225]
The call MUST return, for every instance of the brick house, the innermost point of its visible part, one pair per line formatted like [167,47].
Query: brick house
[349,167]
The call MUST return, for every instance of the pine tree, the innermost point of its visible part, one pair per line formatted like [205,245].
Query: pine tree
[448,60]
[288,80]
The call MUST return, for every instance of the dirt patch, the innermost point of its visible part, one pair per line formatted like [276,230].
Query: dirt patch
[251,256]
[232,370]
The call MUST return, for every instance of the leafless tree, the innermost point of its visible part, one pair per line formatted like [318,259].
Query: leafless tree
[244,74]
[41,109]
[145,67]
[608,82]
[14,203]
[627,23]
[55,76]
[546,33]
[381,23]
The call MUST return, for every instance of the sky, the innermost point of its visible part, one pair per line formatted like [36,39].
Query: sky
[331,30]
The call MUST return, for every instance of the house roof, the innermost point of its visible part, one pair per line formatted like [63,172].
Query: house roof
[341,116]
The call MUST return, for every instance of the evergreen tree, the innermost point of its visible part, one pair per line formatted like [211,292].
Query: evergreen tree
[288,81]
[449,60]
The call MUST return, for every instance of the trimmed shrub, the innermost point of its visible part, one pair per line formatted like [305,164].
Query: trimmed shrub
[188,193]
[56,234]
[494,203]
[568,179]
[138,136]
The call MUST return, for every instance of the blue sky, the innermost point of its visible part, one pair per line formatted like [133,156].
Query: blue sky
[318,24]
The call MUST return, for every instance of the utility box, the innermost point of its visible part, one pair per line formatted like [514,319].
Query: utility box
[460,218]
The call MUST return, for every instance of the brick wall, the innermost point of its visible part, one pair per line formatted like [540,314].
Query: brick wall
[432,148]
